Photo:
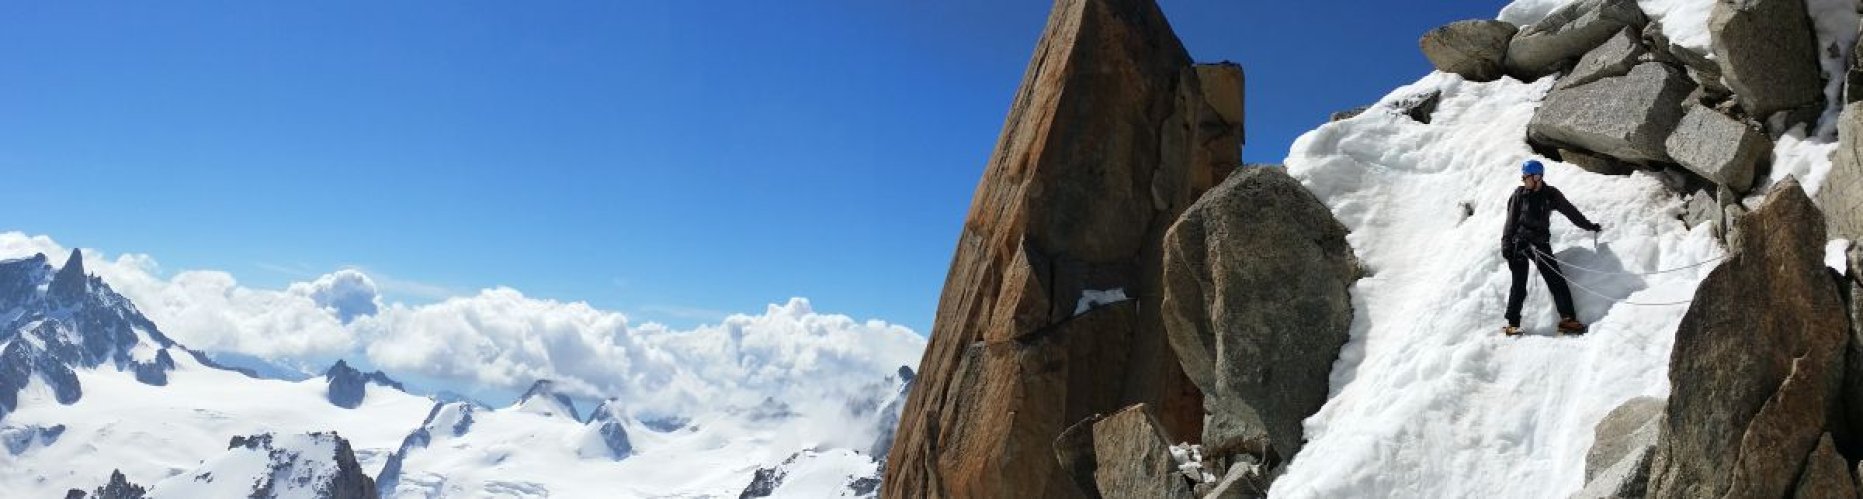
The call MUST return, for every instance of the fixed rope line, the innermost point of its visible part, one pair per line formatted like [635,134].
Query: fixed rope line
[1608,272]
[1555,270]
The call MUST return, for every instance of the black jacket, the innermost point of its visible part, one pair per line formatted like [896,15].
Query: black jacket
[1529,213]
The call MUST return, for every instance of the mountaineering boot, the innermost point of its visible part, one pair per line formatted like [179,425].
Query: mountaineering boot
[1571,326]
[1510,330]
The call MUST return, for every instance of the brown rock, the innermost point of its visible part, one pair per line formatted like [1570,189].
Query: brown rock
[1474,49]
[1096,158]
[1221,126]
[1827,475]
[1757,363]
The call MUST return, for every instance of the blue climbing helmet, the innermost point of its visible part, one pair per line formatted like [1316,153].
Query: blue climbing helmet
[1533,167]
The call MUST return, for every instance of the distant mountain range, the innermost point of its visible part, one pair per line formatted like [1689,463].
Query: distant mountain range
[96,401]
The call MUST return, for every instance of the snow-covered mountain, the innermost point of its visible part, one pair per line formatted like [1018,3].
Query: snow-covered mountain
[812,474]
[307,466]
[464,450]
[95,398]
[52,323]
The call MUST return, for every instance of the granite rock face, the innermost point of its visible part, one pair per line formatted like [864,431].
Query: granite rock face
[1099,154]
[1547,46]
[1615,57]
[1768,54]
[1627,117]
[1122,455]
[1758,361]
[1220,126]
[1619,461]
[1827,474]
[1718,147]
[1258,344]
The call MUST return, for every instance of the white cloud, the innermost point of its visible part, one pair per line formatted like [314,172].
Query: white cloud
[347,293]
[500,339]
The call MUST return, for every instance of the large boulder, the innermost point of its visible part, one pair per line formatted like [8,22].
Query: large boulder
[1626,117]
[1718,147]
[1758,361]
[1256,301]
[1841,197]
[1475,49]
[1827,474]
[1545,47]
[1123,455]
[1768,55]
[1615,57]
[1097,158]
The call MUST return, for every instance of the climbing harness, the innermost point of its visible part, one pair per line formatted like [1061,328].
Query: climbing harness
[1568,279]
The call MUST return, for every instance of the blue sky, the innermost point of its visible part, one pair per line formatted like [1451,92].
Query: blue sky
[671,160]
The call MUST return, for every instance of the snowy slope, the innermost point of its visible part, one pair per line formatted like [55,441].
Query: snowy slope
[155,432]
[1427,399]
[517,451]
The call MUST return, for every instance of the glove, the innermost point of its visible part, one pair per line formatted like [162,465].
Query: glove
[1594,227]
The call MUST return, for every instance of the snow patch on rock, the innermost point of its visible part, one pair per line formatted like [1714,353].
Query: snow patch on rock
[1096,297]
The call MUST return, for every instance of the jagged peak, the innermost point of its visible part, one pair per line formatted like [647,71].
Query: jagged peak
[349,386]
[542,398]
[70,282]
[605,435]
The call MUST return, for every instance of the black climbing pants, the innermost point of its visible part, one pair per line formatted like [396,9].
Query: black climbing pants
[1540,254]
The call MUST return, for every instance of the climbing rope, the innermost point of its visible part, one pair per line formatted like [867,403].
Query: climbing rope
[1555,270]
[1609,272]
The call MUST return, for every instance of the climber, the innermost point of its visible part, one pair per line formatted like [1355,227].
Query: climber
[1527,238]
